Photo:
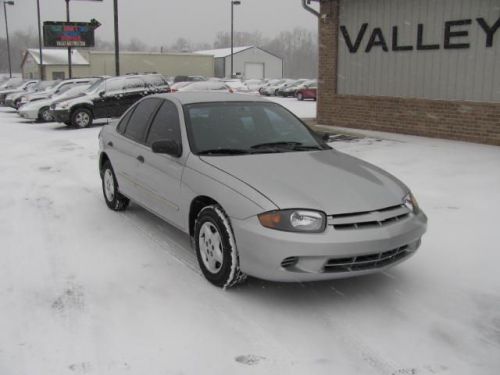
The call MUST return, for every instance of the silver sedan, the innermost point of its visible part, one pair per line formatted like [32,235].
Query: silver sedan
[259,193]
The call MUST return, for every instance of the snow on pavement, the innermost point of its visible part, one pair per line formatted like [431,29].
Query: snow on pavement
[84,290]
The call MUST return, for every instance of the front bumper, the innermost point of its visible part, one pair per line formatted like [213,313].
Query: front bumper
[29,114]
[290,257]
[60,115]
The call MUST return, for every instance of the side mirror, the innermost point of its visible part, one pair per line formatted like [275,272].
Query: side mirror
[167,146]
[326,137]
[101,94]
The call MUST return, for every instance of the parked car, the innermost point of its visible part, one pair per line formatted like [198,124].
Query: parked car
[272,89]
[236,85]
[177,86]
[254,84]
[10,83]
[207,86]
[256,189]
[39,110]
[107,98]
[14,100]
[290,88]
[307,91]
[189,79]
[16,86]
[57,89]
[267,84]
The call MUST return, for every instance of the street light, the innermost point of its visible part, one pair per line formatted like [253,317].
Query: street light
[7,32]
[233,3]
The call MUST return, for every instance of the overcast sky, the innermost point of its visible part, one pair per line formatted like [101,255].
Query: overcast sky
[161,22]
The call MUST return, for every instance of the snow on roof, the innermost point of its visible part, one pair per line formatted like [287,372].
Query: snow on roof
[222,52]
[57,57]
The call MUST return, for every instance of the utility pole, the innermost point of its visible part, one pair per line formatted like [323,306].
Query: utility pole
[40,40]
[117,39]
[70,73]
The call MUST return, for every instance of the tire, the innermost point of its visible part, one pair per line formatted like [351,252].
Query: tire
[216,248]
[300,96]
[114,200]
[81,118]
[45,115]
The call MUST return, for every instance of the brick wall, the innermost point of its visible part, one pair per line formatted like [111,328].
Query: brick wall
[467,121]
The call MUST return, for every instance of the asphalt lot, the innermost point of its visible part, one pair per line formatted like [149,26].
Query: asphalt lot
[84,290]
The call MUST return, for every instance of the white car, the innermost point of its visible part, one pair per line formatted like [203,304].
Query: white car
[39,110]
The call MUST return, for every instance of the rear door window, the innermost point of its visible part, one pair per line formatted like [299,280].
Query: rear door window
[139,120]
[165,124]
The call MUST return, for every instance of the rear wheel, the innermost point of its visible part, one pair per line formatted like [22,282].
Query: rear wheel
[216,248]
[81,118]
[114,200]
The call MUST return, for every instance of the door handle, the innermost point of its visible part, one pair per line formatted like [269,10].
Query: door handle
[140,158]
[110,144]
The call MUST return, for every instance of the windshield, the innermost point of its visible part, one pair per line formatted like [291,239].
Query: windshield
[225,128]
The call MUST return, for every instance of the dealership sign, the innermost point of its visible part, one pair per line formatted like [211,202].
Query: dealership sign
[454,36]
[69,34]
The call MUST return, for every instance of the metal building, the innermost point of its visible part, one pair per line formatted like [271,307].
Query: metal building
[249,62]
[424,67]
[97,63]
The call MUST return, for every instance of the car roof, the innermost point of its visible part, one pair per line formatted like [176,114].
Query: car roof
[210,97]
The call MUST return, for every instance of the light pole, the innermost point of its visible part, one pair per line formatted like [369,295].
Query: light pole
[7,32]
[233,3]
[40,39]
[117,39]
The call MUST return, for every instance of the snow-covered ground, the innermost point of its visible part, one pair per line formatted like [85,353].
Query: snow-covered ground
[84,290]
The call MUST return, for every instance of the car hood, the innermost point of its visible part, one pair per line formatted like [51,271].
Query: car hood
[328,180]
[37,104]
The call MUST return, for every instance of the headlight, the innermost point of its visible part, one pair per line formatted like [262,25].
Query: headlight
[24,99]
[411,203]
[294,220]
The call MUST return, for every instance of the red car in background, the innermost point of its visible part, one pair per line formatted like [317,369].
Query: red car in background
[307,91]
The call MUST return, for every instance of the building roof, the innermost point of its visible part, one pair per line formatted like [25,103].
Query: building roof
[59,56]
[222,52]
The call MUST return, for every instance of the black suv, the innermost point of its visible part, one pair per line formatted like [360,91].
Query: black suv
[108,98]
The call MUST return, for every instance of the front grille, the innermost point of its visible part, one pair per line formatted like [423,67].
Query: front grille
[368,261]
[369,219]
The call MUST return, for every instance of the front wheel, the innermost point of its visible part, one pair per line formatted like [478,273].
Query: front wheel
[300,96]
[216,248]
[81,118]
[45,115]
[114,200]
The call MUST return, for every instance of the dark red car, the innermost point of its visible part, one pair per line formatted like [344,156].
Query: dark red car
[307,91]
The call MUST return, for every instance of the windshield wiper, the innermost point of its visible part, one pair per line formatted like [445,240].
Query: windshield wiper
[276,144]
[294,146]
[224,151]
